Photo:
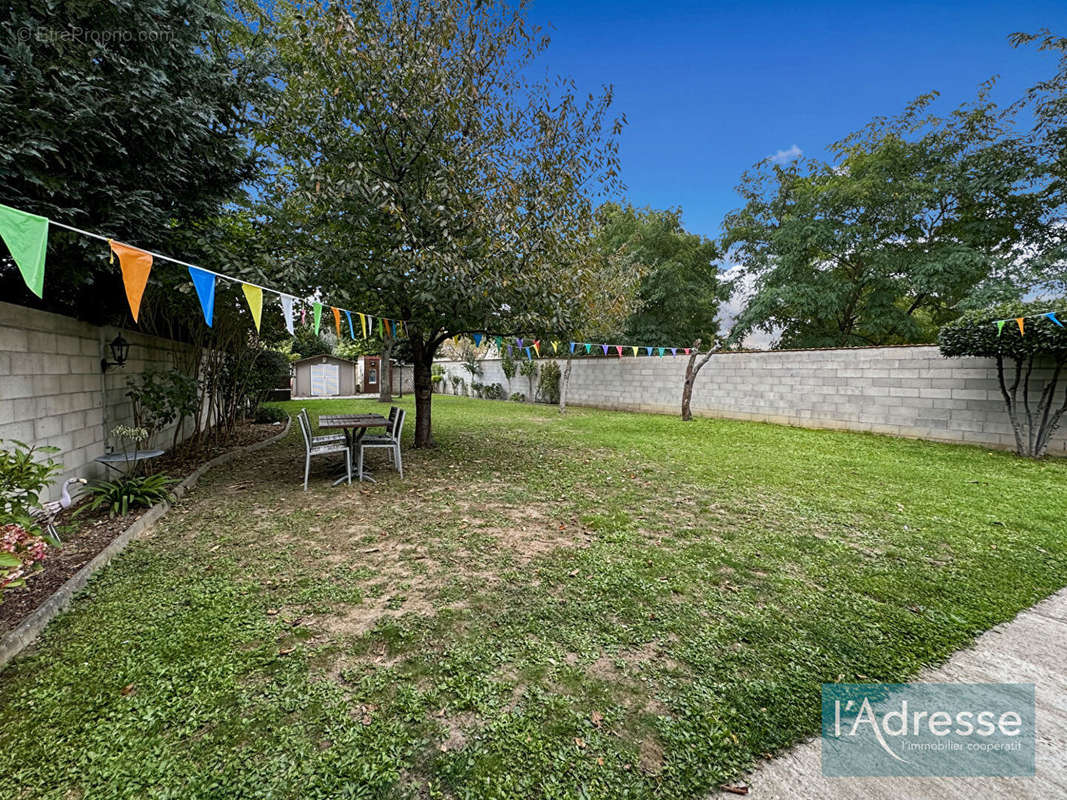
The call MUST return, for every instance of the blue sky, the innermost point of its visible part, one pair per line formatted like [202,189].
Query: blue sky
[708,89]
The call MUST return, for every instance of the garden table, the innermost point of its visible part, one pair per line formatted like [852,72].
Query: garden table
[355,427]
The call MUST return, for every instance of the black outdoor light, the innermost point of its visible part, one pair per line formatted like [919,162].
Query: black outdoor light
[120,349]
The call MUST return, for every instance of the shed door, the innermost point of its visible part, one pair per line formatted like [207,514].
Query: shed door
[371,365]
[325,380]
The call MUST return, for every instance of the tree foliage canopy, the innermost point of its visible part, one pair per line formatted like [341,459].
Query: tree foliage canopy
[678,294]
[917,218]
[128,118]
[429,176]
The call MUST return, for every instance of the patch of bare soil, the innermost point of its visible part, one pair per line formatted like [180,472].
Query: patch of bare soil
[88,533]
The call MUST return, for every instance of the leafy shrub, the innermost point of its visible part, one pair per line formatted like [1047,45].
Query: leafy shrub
[457,384]
[1036,415]
[508,365]
[22,479]
[493,392]
[162,398]
[437,376]
[518,397]
[21,553]
[477,389]
[270,370]
[270,414]
[529,369]
[124,494]
[548,384]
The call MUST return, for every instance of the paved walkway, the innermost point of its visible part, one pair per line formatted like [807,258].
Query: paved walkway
[1032,648]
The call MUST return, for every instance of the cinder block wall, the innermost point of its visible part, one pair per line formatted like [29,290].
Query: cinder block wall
[902,391]
[53,393]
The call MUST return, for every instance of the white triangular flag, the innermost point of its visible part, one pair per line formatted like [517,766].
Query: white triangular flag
[287,312]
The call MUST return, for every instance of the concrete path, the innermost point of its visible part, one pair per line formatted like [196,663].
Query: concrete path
[1032,648]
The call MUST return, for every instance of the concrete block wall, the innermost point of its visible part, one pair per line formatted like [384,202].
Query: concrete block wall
[53,393]
[901,391]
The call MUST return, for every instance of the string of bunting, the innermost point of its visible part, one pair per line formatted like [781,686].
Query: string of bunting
[1021,321]
[26,237]
[533,348]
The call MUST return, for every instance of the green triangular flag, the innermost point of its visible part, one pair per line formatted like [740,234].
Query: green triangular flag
[26,236]
[318,317]
[1000,326]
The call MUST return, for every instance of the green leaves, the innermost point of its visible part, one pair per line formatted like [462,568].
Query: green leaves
[128,118]
[24,474]
[127,493]
[975,334]
[916,218]
[8,560]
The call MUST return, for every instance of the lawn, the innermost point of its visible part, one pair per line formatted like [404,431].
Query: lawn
[601,605]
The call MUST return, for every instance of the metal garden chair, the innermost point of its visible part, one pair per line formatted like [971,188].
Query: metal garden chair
[322,449]
[326,438]
[390,441]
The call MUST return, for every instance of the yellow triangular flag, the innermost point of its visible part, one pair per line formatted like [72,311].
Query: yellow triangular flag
[555,347]
[254,296]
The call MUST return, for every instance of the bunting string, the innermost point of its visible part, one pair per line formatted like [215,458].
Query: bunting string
[533,350]
[1020,322]
[26,237]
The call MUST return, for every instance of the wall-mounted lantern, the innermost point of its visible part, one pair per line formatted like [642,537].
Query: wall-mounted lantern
[120,350]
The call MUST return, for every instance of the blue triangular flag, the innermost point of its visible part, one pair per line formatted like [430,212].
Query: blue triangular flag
[648,350]
[605,348]
[1052,316]
[351,327]
[572,346]
[477,340]
[204,283]
[528,353]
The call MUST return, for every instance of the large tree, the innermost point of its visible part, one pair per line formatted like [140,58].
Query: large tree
[434,180]
[679,293]
[128,118]
[888,240]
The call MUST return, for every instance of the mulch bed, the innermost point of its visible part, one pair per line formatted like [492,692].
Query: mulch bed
[90,532]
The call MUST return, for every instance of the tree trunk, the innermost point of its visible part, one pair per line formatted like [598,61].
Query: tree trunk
[423,361]
[691,371]
[564,381]
[385,374]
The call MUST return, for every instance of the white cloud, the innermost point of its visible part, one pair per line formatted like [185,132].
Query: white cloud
[785,156]
[728,311]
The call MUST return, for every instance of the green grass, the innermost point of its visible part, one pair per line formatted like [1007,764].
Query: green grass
[601,605]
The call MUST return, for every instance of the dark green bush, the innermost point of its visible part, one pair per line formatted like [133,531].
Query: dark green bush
[270,414]
[548,383]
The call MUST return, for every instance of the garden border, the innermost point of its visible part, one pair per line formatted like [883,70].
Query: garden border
[27,631]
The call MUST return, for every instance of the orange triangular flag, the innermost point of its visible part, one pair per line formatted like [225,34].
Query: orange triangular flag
[135,265]
[337,320]
[1022,330]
